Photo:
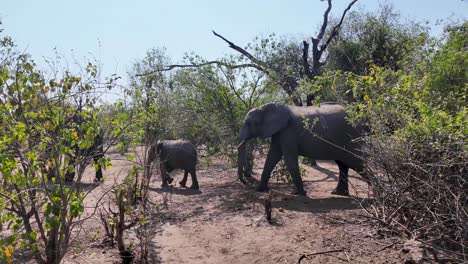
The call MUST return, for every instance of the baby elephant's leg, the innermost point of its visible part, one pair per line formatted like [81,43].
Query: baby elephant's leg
[184,180]
[194,180]
[169,179]
[169,169]
[164,175]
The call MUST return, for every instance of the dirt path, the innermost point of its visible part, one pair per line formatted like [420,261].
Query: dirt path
[224,223]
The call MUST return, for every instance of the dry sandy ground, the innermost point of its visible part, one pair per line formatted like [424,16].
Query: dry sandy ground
[224,222]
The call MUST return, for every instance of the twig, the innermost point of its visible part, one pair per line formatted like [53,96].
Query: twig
[388,246]
[347,256]
[303,256]
[268,208]
[82,258]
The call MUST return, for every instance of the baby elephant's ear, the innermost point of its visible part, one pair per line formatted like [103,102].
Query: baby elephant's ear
[159,146]
[151,154]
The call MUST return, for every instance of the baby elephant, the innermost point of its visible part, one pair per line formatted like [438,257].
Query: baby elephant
[175,154]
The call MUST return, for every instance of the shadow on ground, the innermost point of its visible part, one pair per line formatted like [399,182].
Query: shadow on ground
[175,190]
[235,197]
[330,175]
[88,187]
[320,205]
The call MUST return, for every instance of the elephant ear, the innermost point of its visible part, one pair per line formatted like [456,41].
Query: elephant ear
[151,154]
[159,146]
[275,118]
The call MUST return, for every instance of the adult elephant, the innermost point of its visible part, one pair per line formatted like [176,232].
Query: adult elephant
[175,154]
[321,133]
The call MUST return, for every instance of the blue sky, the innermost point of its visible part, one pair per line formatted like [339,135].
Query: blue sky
[119,32]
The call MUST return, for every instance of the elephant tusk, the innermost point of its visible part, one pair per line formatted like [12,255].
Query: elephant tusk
[240,144]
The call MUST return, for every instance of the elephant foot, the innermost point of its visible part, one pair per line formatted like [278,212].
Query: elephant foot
[299,192]
[341,192]
[194,187]
[182,184]
[261,188]
[170,180]
[68,180]
[69,177]
[101,180]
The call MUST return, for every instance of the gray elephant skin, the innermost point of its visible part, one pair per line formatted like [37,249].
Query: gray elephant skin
[329,136]
[175,154]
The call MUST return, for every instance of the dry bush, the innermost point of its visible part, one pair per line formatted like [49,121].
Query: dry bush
[421,188]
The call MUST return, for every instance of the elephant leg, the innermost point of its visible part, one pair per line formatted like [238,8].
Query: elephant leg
[163,175]
[362,170]
[98,177]
[169,169]
[273,157]
[169,179]
[291,159]
[184,180]
[289,147]
[194,180]
[342,187]
[70,175]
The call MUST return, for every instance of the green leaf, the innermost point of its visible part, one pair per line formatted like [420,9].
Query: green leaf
[33,235]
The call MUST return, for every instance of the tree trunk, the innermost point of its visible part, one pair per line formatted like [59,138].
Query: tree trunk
[52,248]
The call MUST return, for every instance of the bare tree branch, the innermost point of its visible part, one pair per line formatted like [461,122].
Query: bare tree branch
[325,21]
[232,86]
[289,84]
[260,63]
[305,59]
[173,66]
[337,28]
[317,49]
[255,87]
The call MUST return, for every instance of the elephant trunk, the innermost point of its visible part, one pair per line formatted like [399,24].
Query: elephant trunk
[241,161]
[150,157]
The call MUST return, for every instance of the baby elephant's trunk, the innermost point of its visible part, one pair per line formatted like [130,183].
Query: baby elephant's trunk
[150,157]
